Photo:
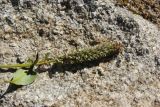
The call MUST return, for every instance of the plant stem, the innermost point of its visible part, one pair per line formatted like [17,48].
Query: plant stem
[24,64]
[106,49]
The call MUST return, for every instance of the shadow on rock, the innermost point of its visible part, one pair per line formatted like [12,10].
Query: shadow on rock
[61,68]
[7,70]
[11,88]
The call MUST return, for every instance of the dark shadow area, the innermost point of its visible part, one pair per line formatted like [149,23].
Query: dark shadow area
[66,4]
[10,89]
[7,70]
[15,3]
[61,68]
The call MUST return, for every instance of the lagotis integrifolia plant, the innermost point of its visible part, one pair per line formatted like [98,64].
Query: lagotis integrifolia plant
[102,50]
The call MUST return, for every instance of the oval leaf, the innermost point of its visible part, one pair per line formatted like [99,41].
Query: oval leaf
[21,77]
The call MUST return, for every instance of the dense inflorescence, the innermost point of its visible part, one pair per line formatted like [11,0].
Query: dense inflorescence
[102,50]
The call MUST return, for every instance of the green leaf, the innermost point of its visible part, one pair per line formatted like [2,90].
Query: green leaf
[23,77]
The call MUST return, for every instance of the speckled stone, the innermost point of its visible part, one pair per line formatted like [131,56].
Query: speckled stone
[57,27]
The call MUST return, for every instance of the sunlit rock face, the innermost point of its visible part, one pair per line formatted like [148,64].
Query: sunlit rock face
[60,26]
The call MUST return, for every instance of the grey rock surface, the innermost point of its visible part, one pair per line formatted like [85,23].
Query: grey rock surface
[130,80]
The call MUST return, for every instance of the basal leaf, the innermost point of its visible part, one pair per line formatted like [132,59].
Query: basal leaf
[23,77]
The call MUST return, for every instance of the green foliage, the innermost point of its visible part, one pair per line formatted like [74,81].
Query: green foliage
[102,50]
[23,77]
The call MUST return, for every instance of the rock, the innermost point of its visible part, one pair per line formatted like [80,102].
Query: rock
[61,26]
[157,61]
